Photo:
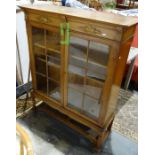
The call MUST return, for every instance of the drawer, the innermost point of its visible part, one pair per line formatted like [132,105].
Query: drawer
[53,20]
[99,30]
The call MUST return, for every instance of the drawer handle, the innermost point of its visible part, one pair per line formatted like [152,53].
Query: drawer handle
[43,19]
[91,29]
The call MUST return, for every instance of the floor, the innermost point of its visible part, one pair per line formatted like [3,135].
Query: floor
[50,137]
[126,119]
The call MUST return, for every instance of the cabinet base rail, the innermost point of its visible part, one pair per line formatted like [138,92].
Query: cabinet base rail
[97,139]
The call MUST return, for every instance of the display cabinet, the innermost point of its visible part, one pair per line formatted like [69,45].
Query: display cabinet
[77,62]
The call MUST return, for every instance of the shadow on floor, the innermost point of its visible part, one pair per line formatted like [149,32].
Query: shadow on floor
[50,137]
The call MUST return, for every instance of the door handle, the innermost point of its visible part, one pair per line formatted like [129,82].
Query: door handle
[65,26]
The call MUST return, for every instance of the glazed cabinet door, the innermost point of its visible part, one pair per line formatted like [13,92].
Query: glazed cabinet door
[47,62]
[87,74]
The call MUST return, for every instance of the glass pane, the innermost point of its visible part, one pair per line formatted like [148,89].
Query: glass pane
[75,90]
[98,53]
[38,40]
[87,70]
[53,89]
[41,83]
[78,52]
[54,58]
[75,99]
[39,53]
[54,80]
[93,91]
[38,36]
[84,96]
[97,60]
[101,76]
[76,72]
[93,88]
[53,62]
[40,66]
[76,82]
[53,42]
[54,72]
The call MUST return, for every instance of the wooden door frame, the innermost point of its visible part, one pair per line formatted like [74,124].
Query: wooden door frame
[29,25]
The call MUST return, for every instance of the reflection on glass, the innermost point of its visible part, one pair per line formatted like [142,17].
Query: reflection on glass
[91,107]
[75,87]
[93,88]
[98,53]
[87,71]
[75,99]
[97,60]
[93,91]
[54,58]
[78,52]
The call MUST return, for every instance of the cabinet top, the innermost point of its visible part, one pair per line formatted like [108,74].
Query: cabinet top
[105,17]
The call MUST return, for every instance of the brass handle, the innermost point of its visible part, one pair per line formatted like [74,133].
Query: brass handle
[91,29]
[43,19]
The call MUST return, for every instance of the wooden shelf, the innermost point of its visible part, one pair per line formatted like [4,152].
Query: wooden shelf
[53,46]
[89,61]
[95,57]
[46,87]
[50,46]
[84,104]
[41,74]
[41,59]
[81,72]
[49,78]
[95,63]
[54,60]
[50,63]
[53,64]
[91,91]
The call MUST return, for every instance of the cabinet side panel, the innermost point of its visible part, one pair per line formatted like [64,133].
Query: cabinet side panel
[109,82]
[119,72]
[29,34]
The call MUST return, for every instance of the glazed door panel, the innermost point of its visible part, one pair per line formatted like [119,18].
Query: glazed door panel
[47,56]
[87,72]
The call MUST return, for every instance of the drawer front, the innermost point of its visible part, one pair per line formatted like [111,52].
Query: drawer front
[98,30]
[53,20]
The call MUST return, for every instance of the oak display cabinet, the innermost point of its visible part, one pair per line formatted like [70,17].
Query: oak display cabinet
[77,60]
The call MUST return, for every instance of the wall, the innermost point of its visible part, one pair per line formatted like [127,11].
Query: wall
[23,45]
